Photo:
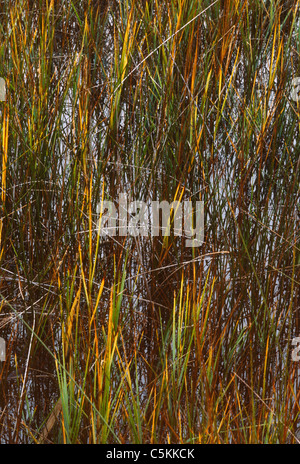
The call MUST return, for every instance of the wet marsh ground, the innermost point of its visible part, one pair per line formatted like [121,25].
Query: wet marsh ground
[141,339]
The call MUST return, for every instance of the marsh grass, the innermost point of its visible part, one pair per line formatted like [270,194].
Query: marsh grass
[134,339]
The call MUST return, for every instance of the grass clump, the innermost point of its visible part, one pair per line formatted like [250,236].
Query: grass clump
[130,339]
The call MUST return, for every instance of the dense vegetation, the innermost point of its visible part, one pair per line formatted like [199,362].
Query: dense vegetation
[129,339]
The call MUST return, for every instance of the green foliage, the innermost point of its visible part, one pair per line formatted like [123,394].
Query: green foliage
[141,339]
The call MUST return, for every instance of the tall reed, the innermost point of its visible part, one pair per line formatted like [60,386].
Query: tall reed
[140,339]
